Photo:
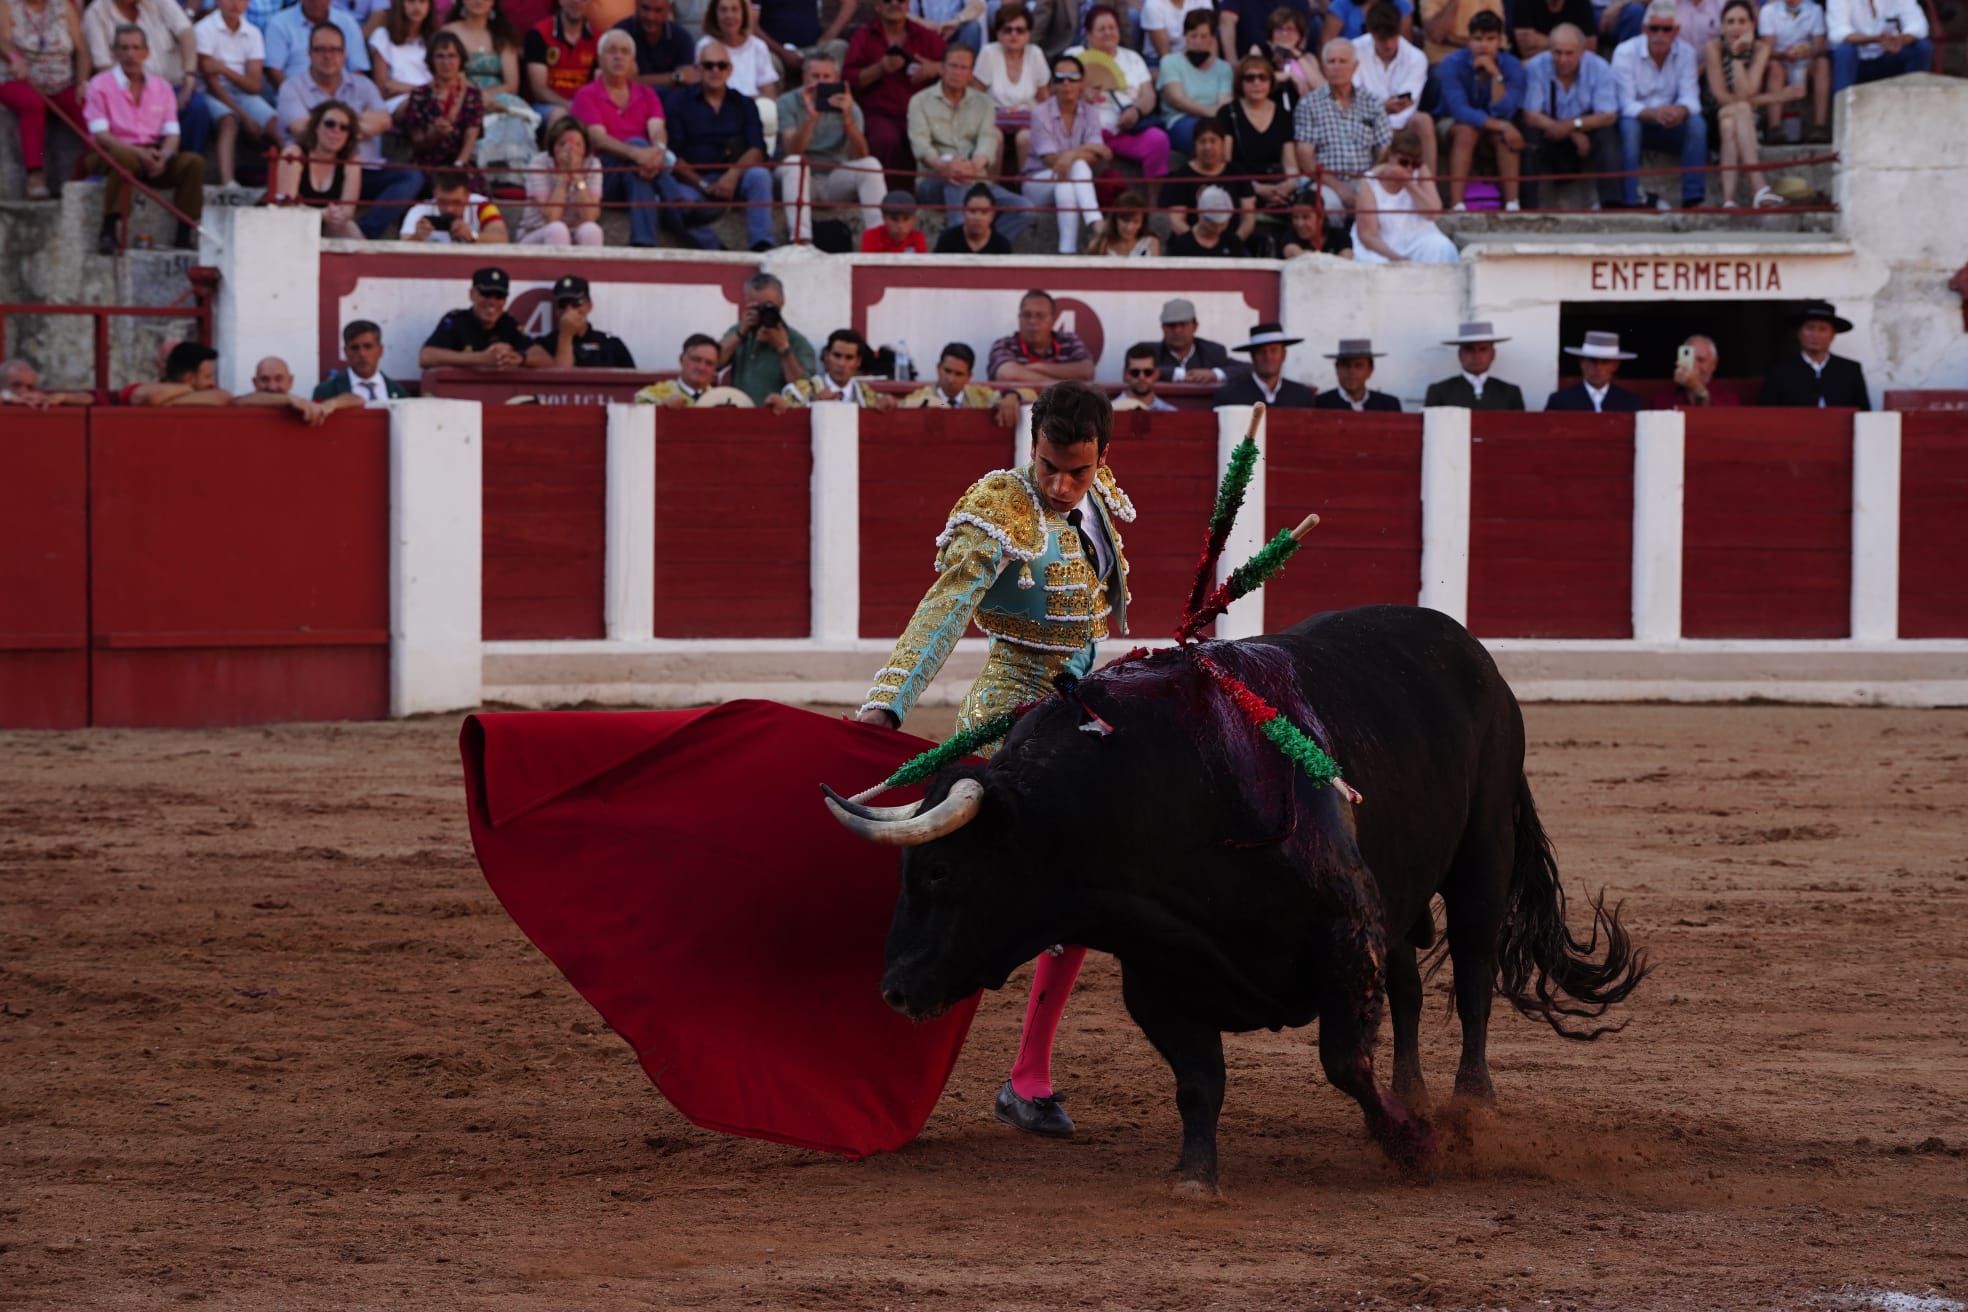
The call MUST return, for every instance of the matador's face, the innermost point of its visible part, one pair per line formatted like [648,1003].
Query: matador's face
[1064,473]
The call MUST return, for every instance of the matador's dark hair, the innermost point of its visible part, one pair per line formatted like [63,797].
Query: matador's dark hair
[1068,413]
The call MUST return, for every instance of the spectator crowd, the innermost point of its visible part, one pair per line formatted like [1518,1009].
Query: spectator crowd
[1182,127]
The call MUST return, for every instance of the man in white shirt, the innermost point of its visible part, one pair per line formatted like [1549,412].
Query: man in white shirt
[231,62]
[454,213]
[1796,32]
[1660,104]
[1161,22]
[1392,71]
[1874,39]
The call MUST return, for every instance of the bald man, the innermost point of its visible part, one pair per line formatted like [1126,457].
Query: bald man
[1571,115]
[20,384]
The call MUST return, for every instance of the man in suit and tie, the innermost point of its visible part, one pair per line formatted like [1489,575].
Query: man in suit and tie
[1353,364]
[1266,380]
[1815,376]
[363,379]
[1598,361]
[1473,388]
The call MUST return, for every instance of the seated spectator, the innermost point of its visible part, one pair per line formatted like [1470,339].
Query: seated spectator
[1209,168]
[1353,364]
[1124,232]
[1292,55]
[1445,25]
[1660,105]
[1161,26]
[1194,87]
[1260,134]
[399,50]
[564,186]
[1394,222]
[492,53]
[1482,90]
[791,29]
[1694,372]
[1348,19]
[318,170]
[20,384]
[953,389]
[1571,115]
[720,156]
[49,58]
[558,57]
[190,377]
[289,32]
[764,352]
[1038,352]
[897,233]
[626,127]
[1066,148]
[386,186]
[1474,386]
[1127,109]
[1736,65]
[1814,376]
[1265,379]
[483,335]
[172,57]
[133,118]
[665,54]
[1139,374]
[1533,21]
[231,60]
[729,23]
[977,234]
[442,119]
[1796,32]
[958,22]
[846,358]
[575,343]
[454,213]
[1338,129]
[1182,356]
[362,375]
[273,385]
[1211,235]
[1599,359]
[697,368]
[1011,71]
[1701,20]
[953,131]
[1246,25]
[1305,228]
[1876,38]
[1394,72]
[824,157]
[888,60]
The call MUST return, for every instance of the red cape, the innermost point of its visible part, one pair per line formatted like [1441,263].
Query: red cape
[680,869]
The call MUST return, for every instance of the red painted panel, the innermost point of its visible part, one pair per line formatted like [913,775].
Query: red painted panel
[914,466]
[733,518]
[1551,525]
[545,507]
[44,570]
[1933,508]
[1767,524]
[239,567]
[1166,463]
[1362,474]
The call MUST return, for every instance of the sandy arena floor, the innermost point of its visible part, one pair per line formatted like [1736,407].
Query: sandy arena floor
[269,1042]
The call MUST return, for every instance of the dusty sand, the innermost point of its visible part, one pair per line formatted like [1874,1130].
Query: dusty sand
[268,1041]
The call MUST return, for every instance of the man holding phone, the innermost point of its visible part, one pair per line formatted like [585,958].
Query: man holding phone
[888,61]
[1393,71]
[823,150]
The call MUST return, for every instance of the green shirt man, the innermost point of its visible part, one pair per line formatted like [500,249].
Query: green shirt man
[762,350]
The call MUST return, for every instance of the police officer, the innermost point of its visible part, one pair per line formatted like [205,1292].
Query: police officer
[482,336]
[575,343]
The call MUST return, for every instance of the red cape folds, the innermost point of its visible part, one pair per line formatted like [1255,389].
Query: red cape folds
[681,871]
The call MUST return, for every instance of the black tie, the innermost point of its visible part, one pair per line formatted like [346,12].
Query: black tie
[1074,517]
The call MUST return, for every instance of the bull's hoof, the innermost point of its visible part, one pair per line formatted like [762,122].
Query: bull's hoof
[1193,1190]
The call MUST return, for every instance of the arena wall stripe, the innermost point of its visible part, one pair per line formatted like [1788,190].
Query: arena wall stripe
[545,510]
[1933,584]
[1445,480]
[629,571]
[44,570]
[834,501]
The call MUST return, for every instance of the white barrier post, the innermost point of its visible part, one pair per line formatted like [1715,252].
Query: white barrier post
[1660,475]
[1245,618]
[1021,439]
[629,574]
[836,522]
[1876,527]
[1445,460]
[436,541]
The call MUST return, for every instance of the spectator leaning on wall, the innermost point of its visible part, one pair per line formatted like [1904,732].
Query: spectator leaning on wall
[575,343]
[764,352]
[953,389]
[483,335]
[697,366]
[20,384]
[362,376]
[454,214]
[1139,374]
[839,381]
[1038,352]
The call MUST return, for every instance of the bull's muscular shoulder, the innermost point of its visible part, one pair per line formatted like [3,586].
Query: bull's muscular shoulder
[1004,506]
[1117,501]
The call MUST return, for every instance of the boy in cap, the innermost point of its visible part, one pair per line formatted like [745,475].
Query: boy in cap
[575,343]
[898,234]
[483,335]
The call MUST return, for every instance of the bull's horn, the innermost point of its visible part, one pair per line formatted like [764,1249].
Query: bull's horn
[946,817]
[855,806]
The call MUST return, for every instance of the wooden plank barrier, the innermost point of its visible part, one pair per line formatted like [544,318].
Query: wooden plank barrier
[44,569]
[545,499]
[1934,524]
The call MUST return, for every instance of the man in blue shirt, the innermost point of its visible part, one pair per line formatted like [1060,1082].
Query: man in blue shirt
[1351,15]
[287,39]
[666,55]
[720,150]
[1571,115]
[1482,89]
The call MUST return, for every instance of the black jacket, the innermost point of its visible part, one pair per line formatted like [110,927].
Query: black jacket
[1204,354]
[1793,382]
[1497,394]
[1619,401]
[1333,399]
[1243,390]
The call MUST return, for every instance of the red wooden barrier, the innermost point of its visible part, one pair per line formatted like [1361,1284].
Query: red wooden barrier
[1933,509]
[914,466]
[44,569]
[240,567]
[733,521]
[1362,474]
[1551,525]
[545,506]
[1166,463]
[1767,524]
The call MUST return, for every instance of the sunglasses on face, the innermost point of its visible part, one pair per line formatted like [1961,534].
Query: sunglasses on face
[334,124]
[1407,161]
[708,65]
[1141,373]
[324,50]
[1014,29]
[1257,77]
[1068,76]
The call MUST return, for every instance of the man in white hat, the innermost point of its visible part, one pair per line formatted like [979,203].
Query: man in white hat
[1598,361]
[1814,376]
[1353,364]
[1266,381]
[1473,388]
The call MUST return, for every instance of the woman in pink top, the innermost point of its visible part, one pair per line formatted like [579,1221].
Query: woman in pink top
[624,119]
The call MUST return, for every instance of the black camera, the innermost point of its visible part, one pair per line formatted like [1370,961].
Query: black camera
[442,222]
[768,316]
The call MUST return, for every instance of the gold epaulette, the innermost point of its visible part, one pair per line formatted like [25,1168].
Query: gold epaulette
[1117,501]
[1007,508]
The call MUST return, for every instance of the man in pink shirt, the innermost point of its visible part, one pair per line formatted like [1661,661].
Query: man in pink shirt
[133,118]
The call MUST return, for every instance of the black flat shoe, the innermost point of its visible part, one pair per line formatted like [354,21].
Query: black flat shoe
[1034,1115]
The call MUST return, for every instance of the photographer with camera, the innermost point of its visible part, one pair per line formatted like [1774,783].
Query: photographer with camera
[765,353]
[454,213]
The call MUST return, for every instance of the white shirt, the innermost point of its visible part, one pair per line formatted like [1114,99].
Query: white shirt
[1360,405]
[1597,394]
[1818,368]
[1846,18]
[751,65]
[1270,392]
[474,209]
[374,391]
[408,63]
[1164,16]
[1135,69]
[1790,25]
[849,395]
[1475,382]
[1645,85]
[231,48]
[1103,554]
[1380,82]
[1005,93]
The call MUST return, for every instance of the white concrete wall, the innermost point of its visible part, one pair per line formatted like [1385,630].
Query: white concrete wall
[1406,309]
[269,299]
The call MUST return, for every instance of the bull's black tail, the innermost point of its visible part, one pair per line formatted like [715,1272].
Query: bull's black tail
[1544,969]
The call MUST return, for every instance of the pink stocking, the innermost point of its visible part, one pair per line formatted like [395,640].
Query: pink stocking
[1052,984]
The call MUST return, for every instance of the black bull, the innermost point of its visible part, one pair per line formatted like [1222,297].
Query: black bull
[1237,894]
